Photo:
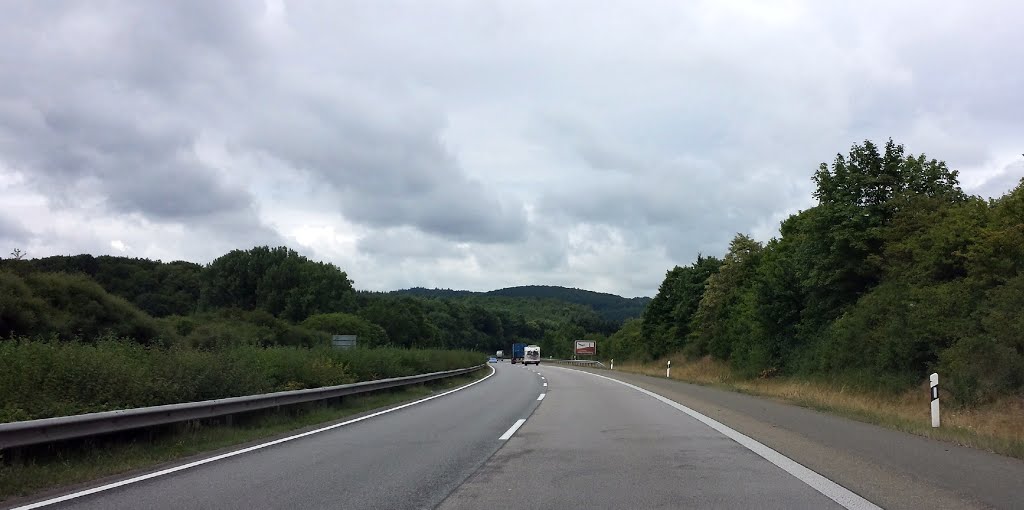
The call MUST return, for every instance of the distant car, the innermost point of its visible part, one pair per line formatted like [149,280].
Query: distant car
[492,360]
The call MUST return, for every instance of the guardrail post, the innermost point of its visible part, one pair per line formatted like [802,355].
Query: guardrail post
[14,456]
[934,389]
[668,370]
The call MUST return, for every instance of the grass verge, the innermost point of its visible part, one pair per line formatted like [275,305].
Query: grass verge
[77,465]
[997,427]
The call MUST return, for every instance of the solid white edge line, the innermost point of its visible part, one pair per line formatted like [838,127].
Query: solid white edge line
[215,458]
[832,490]
[512,430]
[541,396]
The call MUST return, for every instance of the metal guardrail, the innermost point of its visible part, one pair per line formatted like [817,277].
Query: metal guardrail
[24,433]
[577,362]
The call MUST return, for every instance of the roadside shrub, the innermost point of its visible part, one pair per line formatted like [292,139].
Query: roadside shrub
[233,328]
[369,334]
[45,378]
[21,312]
[978,369]
[77,307]
[983,366]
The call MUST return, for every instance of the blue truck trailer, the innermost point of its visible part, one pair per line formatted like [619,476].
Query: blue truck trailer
[518,353]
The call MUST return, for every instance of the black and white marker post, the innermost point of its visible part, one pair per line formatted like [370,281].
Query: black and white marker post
[934,380]
[668,370]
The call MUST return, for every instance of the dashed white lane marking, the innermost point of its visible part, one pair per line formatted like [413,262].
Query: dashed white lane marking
[541,397]
[512,430]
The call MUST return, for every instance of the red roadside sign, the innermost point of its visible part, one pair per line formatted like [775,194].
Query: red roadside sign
[586,348]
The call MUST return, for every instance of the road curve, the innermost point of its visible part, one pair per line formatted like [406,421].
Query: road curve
[554,437]
[595,443]
[409,458]
[893,469]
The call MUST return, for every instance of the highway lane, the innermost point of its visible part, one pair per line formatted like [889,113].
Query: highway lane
[409,458]
[578,440]
[896,470]
[594,443]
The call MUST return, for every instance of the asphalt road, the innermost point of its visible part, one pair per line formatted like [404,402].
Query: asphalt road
[409,458]
[597,444]
[553,437]
[893,469]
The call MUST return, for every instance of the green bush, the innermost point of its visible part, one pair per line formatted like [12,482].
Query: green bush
[978,369]
[991,362]
[52,378]
[21,312]
[369,334]
[70,306]
[232,328]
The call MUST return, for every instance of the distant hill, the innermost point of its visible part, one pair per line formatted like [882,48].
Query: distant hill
[609,307]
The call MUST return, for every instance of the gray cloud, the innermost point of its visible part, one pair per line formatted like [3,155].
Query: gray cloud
[94,104]
[389,171]
[484,144]
[1002,183]
[12,231]
[685,206]
[406,243]
[152,173]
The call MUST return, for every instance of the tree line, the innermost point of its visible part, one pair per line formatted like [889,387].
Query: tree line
[265,297]
[609,308]
[896,272]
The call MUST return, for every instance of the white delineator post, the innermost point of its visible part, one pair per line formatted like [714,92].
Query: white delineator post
[613,363]
[668,370]
[934,385]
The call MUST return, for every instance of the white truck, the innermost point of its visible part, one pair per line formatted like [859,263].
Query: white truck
[532,355]
[500,355]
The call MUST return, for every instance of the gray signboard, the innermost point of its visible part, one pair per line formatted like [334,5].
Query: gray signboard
[343,341]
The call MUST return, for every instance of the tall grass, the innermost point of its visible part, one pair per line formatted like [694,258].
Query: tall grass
[42,379]
[998,426]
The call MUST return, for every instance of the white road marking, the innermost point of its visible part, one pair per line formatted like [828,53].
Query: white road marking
[545,385]
[541,397]
[183,467]
[845,497]
[512,430]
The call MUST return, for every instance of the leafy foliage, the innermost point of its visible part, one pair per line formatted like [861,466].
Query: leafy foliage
[666,321]
[277,280]
[894,273]
[43,379]
[69,306]
[231,327]
[722,323]
[368,333]
[156,288]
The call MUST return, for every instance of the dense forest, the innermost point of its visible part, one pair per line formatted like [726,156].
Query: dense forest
[896,272]
[265,297]
[609,307]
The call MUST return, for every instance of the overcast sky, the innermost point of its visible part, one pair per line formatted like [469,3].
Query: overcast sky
[478,144]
